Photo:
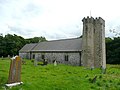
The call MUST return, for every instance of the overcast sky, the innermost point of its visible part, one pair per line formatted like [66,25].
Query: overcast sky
[55,19]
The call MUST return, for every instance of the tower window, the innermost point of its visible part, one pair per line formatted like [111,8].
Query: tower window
[66,58]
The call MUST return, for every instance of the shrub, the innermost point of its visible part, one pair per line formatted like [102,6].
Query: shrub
[32,60]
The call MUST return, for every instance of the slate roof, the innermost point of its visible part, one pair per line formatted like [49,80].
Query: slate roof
[63,45]
[28,47]
[59,45]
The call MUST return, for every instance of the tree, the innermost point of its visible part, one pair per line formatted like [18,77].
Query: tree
[36,39]
[113,50]
[11,44]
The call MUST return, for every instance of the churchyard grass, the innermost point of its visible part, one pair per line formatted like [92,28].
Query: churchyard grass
[61,77]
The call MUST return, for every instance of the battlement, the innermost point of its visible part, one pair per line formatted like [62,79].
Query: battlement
[97,20]
[88,20]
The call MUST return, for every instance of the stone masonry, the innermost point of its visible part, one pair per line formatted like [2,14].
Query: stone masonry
[73,58]
[93,43]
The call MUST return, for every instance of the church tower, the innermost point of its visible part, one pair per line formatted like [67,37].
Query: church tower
[93,43]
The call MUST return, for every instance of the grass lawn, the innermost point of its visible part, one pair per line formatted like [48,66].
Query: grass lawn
[61,77]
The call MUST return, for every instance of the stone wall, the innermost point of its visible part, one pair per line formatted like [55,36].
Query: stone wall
[73,58]
[93,43]
[24,55]
[99,42]
[88,42]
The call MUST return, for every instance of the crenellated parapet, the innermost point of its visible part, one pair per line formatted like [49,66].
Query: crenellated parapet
[99,20]
[88,20]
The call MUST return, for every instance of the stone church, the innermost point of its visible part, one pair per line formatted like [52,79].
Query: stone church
[87,51]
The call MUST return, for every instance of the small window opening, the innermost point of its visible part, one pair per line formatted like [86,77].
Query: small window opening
[33,56]
[66,57]
[43,56]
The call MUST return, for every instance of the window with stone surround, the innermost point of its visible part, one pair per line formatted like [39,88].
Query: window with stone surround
[43,56]
[33,56]
[66,57]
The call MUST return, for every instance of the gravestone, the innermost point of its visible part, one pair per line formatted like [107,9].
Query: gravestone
[14,72]
[2,57]
[8,56]
[55,63]
[35,62]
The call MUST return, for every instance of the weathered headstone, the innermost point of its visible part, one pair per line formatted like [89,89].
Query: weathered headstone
[8,56]
[35,62]
[55,63]
[2,57]
[15,71]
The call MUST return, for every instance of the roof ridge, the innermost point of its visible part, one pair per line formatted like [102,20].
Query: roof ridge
[62,39]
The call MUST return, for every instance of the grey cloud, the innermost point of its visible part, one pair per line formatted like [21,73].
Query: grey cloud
[73,30]
[3,1]
[21,31]
[55,36]
[32,10]
[29,19]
